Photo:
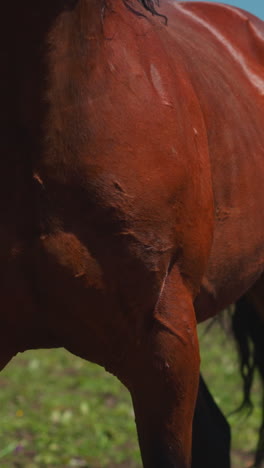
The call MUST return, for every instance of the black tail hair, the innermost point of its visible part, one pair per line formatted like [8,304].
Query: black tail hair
[248,330]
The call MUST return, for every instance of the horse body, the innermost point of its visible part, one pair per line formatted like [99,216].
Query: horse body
[135,155]
[227,73]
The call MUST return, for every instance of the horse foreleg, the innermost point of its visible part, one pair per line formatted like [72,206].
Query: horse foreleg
[165,379]
[4,359]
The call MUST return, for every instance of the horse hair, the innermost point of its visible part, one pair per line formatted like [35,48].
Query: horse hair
[148,5]
[248,331]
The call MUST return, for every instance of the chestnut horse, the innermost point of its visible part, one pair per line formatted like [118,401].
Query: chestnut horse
[131,190]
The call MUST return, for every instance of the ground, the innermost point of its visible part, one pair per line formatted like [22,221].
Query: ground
[59,411]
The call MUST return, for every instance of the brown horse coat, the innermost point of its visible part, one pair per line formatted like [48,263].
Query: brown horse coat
[131,186]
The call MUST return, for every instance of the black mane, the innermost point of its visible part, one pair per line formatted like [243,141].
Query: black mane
[148,5]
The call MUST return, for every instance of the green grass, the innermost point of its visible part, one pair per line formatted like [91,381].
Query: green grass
[59,411]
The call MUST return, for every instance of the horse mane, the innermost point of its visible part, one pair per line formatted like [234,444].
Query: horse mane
[148,5]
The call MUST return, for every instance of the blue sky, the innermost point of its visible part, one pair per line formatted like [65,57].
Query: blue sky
[254,6]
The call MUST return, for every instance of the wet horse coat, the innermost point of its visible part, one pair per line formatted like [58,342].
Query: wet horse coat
[131,190]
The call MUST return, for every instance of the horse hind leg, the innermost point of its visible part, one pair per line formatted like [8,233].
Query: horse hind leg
[162,376]
[211,433]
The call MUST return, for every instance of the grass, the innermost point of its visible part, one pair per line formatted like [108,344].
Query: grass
[59,411]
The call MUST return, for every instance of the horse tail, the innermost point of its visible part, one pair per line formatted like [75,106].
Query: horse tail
[248,330]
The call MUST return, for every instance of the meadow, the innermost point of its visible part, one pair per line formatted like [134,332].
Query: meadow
[60,411]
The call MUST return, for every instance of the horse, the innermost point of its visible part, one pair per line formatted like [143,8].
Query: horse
[211,434]
[132,164]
